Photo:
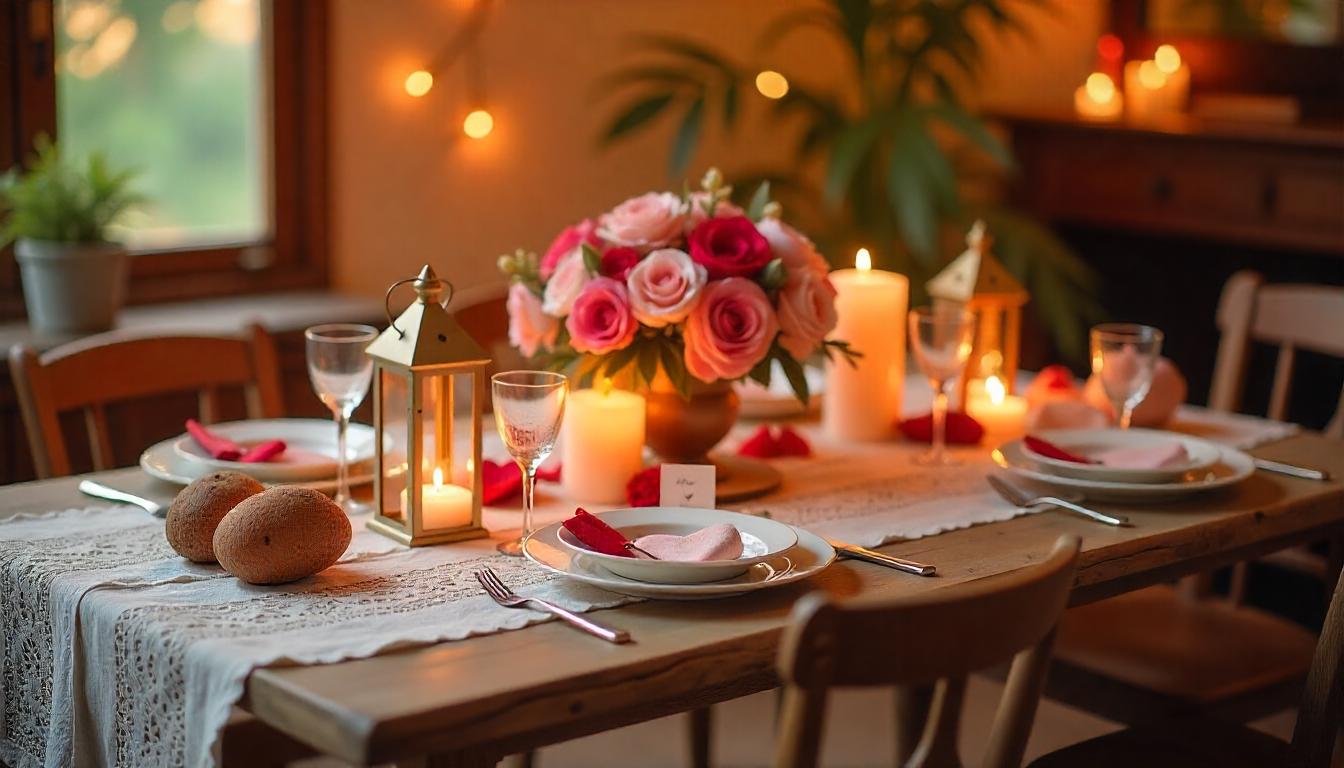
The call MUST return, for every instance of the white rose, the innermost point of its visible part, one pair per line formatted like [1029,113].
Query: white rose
[570,276]
[664,287]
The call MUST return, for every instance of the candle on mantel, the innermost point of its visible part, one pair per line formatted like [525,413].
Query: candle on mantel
[1098,98]
[1003,416]
[1160,85]
[602,443]
[442,505]
[863,401]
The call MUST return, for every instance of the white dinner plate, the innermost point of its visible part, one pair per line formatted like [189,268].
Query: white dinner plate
[778,401]
[762,539]
[310,448]
[811,555]
[1090,442]
[162,461]
[1232,466]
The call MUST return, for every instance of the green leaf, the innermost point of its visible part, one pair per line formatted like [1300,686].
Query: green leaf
[592,260]
[730,105]
[793,371]
[674,366]
[974,130]
[849,150]
[637,114]
[759,201]
[760,372]
[774,275]
[648,359]
[688,135]
[618,360]
[910,198]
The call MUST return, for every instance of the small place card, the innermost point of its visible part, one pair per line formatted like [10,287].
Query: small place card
[687,485]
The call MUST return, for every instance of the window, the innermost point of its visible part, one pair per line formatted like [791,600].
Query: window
[218,104]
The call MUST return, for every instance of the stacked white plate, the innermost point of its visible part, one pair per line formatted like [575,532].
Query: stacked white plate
[773,554]
[1207,465]
[309,459]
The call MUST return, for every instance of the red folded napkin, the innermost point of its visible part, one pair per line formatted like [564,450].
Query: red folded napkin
[549,474]
[766,443]
[645,488]
[1052,451]
[961,429]
[224,449]
[503,480]
[597,535]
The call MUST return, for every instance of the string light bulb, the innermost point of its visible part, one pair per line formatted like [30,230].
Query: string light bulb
[419,82]
[771,84]
[478,124]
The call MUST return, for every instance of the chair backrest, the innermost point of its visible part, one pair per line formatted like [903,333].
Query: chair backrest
[1320,715]
[1292,317]
[88,374]
[940,636]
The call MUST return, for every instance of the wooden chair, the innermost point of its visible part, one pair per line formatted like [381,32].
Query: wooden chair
[91,373]
[1320,725]
[940,636]
[1163,657]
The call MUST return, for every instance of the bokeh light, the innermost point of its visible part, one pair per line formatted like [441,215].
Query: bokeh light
[478,124]
[419,82]
[771,84]
[1167,59]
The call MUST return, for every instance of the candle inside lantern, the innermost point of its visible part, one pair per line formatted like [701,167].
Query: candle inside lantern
[1002,415]
[602,443]
[442,505]
[863,401]
[1098,98]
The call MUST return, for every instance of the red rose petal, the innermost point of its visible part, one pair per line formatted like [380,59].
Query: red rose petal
[760,445]
[961,429]
[790,443]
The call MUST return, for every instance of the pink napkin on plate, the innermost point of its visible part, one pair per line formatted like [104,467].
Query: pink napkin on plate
[1167,454]
[720,541]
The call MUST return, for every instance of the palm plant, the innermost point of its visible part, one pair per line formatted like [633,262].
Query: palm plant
[894,156]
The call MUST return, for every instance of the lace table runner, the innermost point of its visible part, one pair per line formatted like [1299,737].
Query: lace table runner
[117,652]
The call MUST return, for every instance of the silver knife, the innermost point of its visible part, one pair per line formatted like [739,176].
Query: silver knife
[855,552]
[100,491]
[1292,470]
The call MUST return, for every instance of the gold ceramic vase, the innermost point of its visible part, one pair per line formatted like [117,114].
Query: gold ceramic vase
[682,431]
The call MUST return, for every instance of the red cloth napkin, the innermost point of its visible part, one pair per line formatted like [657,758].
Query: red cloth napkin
[961,429]
[766,443]
[224,449]
[597,535]
[1052,451]
[503,480]
[645,488]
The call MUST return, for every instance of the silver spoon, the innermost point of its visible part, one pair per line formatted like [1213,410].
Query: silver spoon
[100,491]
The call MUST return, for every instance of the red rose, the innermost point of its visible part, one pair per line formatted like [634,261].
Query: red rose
[617,262]
[729,247]
[644,488]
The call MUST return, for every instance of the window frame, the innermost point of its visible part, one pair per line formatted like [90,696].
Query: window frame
[293,255]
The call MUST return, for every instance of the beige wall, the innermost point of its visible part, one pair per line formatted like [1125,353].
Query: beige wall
[409,188]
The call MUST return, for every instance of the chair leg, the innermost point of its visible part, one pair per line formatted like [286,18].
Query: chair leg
[912,711]
[701,733]
[521,760]
[799,741]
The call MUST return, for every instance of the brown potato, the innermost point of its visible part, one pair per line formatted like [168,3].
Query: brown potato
[198,508]
[282,534]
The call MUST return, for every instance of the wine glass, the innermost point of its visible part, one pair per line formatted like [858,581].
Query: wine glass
[1124,356]
[941,339]
[340,372]
[528,408]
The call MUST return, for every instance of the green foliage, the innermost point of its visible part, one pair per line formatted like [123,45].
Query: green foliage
[894,156]
[56,200]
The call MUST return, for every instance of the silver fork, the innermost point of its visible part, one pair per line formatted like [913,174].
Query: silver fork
[1021,498]
[507,598]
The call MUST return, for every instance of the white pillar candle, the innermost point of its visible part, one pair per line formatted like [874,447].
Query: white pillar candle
[442,505]
[1098,98]
[602,443]
[1003,416]
[863,402]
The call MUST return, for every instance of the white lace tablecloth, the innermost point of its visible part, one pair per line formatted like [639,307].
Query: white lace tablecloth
[118,652]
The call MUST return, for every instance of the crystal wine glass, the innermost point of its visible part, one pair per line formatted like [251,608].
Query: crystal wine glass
[340,372]
[529,406]
[1124,356]
[941,339]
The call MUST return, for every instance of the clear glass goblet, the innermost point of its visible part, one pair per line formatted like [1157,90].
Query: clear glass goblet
[341,372]
[529,406]
[1124,356]
[941,339]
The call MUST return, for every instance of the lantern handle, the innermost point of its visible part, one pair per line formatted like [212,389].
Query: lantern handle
[387,305]
[423,290]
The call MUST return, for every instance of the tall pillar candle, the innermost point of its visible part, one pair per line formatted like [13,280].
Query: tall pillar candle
[863,402]
[602,444]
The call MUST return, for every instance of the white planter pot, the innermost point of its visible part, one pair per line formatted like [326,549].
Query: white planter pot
[71,287]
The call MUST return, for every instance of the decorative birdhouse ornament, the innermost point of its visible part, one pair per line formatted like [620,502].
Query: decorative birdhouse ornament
[979,282]
[428,395]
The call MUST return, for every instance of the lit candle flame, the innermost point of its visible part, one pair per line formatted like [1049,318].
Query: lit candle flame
[863,261]
[1100,87]
[1167,59]
[438,478]
[994,388]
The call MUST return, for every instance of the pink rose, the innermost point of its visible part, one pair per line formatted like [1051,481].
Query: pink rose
[697,214]
[617,262]
[793,247]
[569,239]
[568,279]
[601,321]
[651,220]
[730,330]
[806,312]
[529,326]
[729,247]
[664,287]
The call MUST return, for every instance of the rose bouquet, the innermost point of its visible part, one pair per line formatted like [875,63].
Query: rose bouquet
[690,284]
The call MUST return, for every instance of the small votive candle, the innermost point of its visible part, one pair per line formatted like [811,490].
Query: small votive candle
[1098,98]
[442,505]
[1160,85]
[1003,416]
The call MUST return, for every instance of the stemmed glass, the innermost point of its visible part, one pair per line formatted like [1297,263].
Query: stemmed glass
[1124,356]
[941,339]
[340,372]
[529,406]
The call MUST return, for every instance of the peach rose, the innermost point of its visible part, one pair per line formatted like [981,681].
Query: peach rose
[652,220]
[806,312]
[792,247]
[601,321]
[570,276]
[664,287]
[530,328]
[730,330]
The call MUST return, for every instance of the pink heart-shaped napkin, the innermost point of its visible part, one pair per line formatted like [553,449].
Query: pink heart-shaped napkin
[717,542]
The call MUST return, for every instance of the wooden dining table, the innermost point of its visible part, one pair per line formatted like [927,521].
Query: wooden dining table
[472,702]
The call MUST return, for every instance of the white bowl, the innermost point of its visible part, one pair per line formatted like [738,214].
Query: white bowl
[762,539]
[1202,454]
[310,448]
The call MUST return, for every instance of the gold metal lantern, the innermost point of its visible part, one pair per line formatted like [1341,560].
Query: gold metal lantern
[427,487]
[979,281]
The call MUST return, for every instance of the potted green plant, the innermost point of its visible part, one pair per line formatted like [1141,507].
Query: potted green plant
[57,215]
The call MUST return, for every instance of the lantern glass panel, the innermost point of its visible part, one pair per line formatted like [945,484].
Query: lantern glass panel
[446,429]
[394,400]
